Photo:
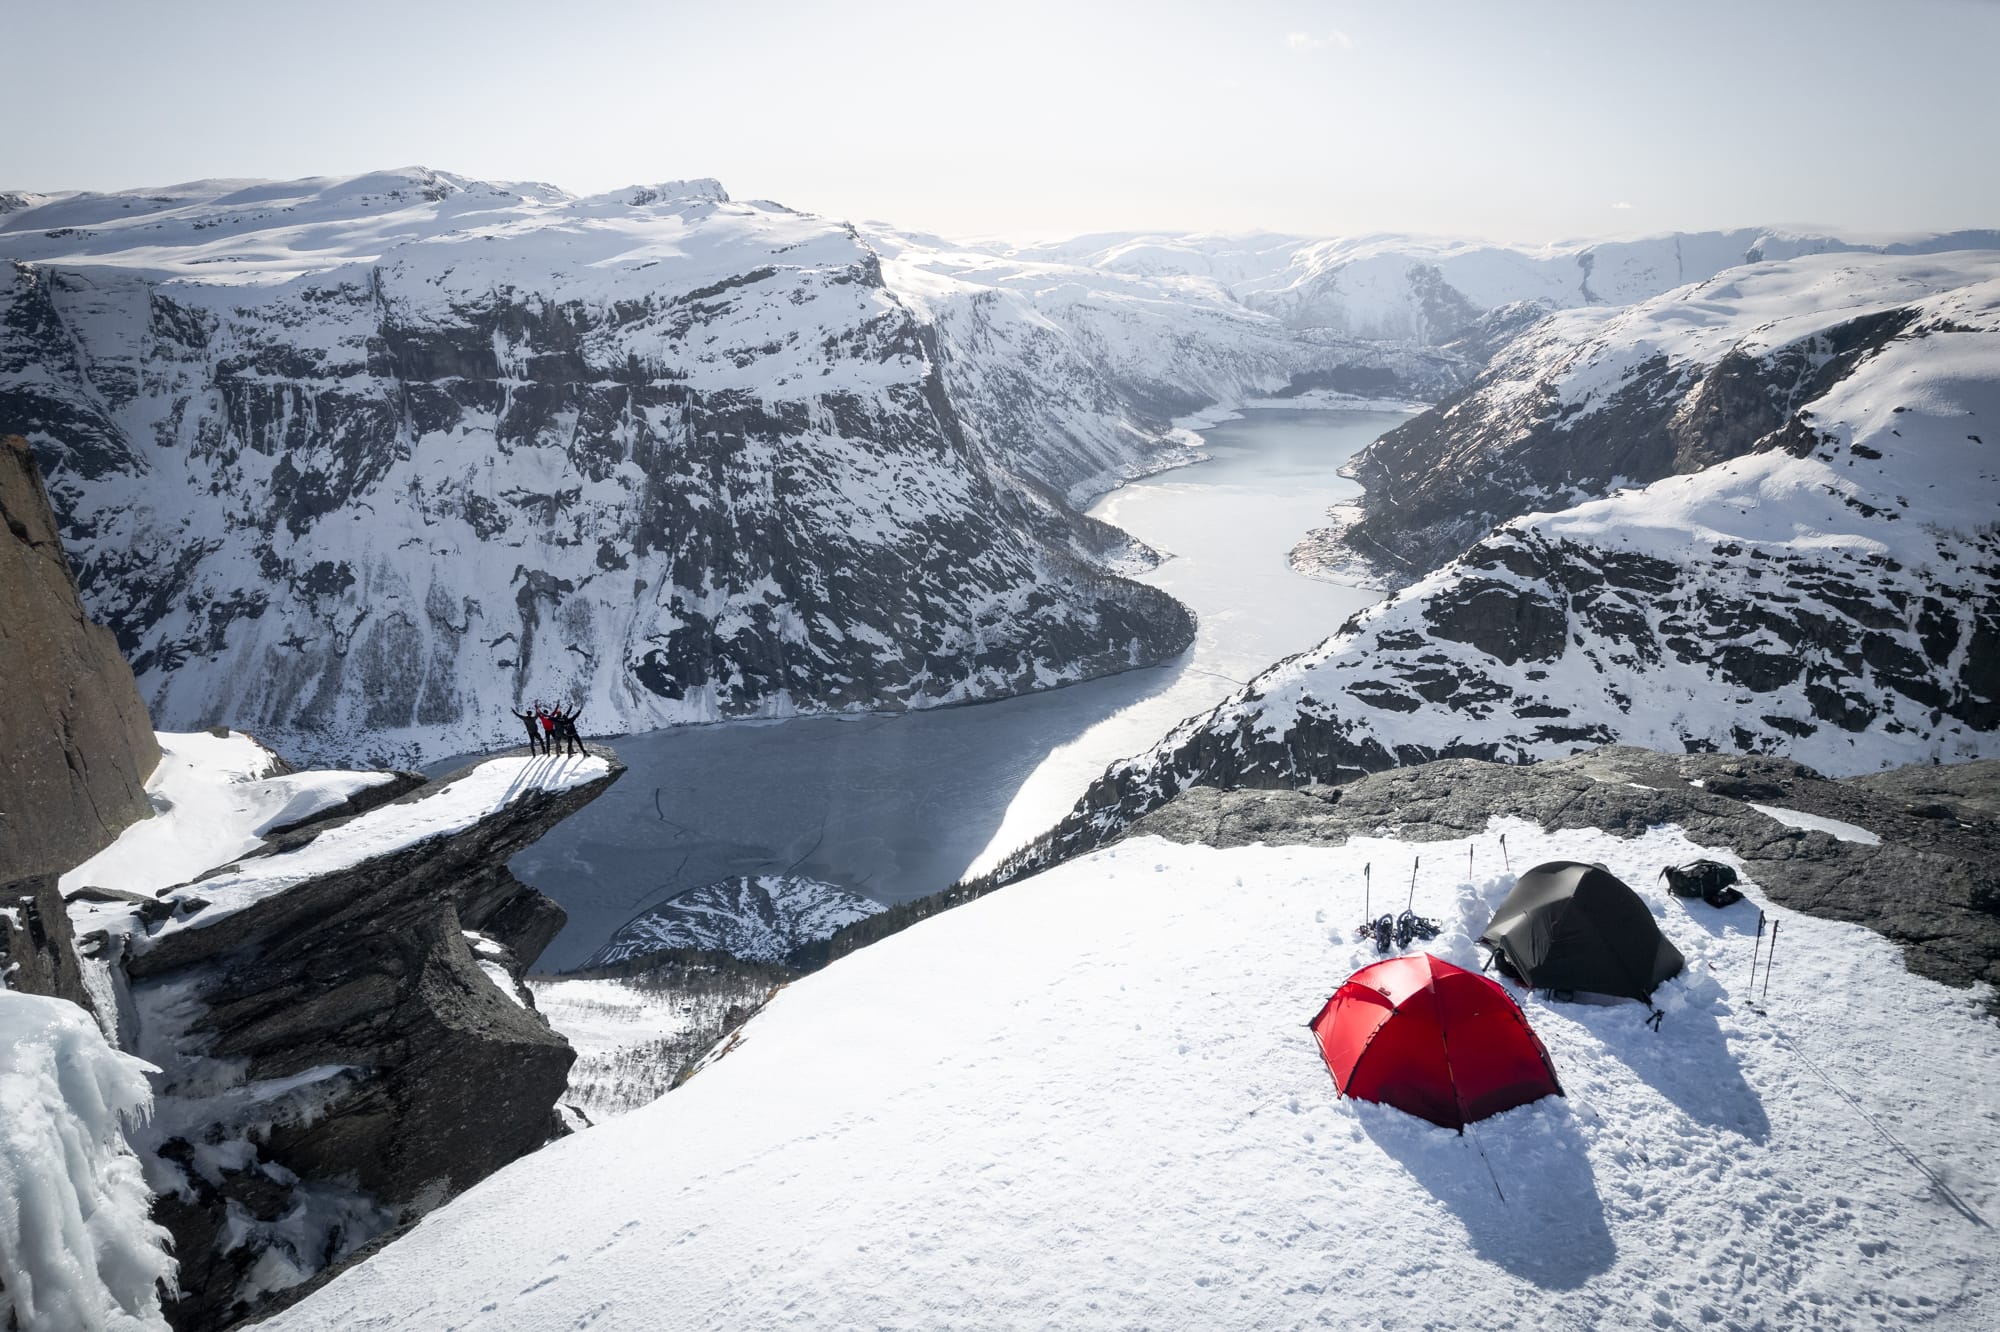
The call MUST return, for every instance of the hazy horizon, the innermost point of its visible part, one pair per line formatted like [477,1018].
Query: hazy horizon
[1532,124]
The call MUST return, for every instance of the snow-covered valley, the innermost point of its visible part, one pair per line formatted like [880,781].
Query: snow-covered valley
[363,463]
[367,464]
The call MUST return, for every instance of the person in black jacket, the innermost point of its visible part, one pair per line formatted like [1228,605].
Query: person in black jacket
[534,733]
[566,730]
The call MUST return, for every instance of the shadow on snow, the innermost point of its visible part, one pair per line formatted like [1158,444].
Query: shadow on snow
[1550,1228]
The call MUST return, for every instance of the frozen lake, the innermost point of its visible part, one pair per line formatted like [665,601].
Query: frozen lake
[900,806]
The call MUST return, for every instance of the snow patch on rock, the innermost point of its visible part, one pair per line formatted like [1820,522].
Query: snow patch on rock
[761,918]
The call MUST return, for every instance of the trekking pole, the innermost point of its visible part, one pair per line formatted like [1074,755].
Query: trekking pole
[1754,949]
[1503,854]
[1365,890]
[1769,958]
[1468,862]
[1413,883]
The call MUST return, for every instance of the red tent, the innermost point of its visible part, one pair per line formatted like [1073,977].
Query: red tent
[1436,1040]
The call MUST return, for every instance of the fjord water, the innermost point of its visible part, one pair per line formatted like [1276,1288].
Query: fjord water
[898,806]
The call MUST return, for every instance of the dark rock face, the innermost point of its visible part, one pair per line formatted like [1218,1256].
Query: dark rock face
[77,742]
[38,953]
[1932,885]
[337,1051]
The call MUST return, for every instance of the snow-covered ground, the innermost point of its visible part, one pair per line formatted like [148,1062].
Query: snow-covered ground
[441,811]
[78,1249]
[1090,1100]
[1794,818]
[214,797]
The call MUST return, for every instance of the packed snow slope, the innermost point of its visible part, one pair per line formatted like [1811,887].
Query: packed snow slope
[359,463]
[1829,588]
[1103,1110]
[79,1251]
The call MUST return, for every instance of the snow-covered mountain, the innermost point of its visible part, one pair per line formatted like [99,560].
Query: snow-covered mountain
[758,917]
[1825,585]
[1433,290]
[1089,1101]
[384,456]
[1069,368]
[361,463]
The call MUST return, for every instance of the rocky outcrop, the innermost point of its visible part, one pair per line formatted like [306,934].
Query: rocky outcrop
[38,953]
[1931,883]
[75,734]
[344,1037]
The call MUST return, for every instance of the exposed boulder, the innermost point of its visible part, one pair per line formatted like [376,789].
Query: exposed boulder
[1931,883]
[77,742]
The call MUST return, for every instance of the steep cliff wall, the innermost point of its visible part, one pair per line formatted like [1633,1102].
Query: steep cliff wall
[74,733]
[342,1036]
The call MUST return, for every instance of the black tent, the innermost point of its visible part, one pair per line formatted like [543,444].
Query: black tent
[1576,927]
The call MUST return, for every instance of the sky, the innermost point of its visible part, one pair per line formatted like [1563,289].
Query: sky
[1523,121]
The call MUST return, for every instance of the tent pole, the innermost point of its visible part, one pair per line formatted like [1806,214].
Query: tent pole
[1490,1173]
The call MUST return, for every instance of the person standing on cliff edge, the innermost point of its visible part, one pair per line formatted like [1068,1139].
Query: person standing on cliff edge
[566,730]
[528,719]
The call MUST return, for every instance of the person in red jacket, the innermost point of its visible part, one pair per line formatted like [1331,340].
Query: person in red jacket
[566,731]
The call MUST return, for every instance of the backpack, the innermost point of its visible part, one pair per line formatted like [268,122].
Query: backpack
[1709,880]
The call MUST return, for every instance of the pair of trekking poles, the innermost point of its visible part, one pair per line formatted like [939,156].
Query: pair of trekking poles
[1768,956]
